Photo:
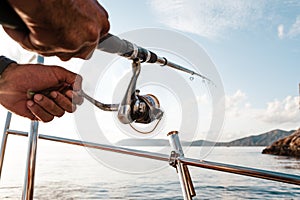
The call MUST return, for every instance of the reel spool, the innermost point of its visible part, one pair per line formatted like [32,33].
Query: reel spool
[147,109]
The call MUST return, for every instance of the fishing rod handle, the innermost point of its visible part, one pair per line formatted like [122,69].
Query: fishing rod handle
[113,44]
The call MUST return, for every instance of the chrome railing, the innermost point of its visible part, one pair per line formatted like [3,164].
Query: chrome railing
[175,159]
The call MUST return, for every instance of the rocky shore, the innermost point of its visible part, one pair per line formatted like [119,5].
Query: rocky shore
[287,146]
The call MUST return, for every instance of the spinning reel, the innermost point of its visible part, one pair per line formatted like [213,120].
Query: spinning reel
[134,107]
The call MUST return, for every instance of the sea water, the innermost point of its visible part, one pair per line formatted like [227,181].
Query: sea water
[70,172]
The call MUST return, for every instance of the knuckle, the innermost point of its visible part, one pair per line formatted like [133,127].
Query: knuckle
[105,27]
[71,42]
[87,36]
[93,32]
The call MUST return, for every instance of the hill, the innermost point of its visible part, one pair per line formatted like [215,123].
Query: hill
[263,139]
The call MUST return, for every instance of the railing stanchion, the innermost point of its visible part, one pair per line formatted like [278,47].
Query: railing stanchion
[4,140]
[31,160]
[185,179]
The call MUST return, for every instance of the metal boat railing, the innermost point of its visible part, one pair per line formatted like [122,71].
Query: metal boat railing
[175,159]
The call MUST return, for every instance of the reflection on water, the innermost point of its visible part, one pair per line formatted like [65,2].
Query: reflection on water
[67,172]
[288,162]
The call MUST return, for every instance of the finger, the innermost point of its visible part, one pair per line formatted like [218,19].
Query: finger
[48,105]
[77,84]
[39,112]
[76,99]
[86,51]
[65,56]
[22,110]
[64,102]
[68,77]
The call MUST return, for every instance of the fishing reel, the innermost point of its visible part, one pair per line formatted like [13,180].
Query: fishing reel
[134,108]
[138,108]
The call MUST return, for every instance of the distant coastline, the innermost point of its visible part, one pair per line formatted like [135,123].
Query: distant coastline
[264,139]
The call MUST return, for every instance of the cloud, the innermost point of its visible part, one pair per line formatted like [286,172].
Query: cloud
[280,112]
[243,119]
[280,30]
[295,28]
[236,103]
[276,112]
[214,19]
[292,32]
[209,19]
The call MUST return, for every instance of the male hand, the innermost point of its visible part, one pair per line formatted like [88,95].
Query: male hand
[63,28]
[23,87]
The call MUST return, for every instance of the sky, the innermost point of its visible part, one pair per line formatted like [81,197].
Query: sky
[255,46]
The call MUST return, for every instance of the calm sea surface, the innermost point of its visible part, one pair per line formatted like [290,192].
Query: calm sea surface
[69,172]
